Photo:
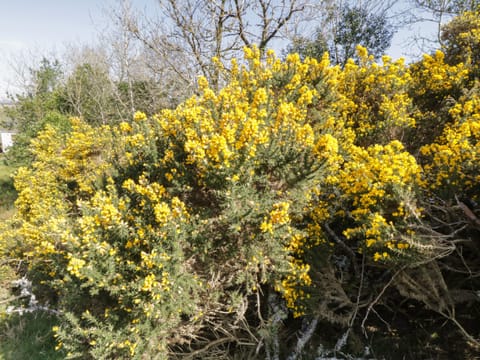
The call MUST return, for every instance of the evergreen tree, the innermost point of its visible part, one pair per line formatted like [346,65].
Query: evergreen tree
[353,26]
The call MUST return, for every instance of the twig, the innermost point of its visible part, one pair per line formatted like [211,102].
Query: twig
[372,304]
[343,245]
[14,298]
[343,340]
[208,346]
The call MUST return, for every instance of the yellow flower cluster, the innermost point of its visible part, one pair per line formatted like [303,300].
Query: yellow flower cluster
[461,39]
[279,214]
[292,286]
[433,75]
[71,161]
[246,117]
[455,156]
[107,213]
[371,185]
[370,174]
[81,159]
[75,265]
[139,116]
[376,102]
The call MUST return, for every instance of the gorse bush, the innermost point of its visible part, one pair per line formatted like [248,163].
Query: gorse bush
[285,199]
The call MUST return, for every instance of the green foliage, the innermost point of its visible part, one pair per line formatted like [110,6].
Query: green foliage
[354,26]
[313,47]
[19,154]
[42,104]
[28,336]
[358,27]
[88,94]
[8,193]
[45,79]
[5,121]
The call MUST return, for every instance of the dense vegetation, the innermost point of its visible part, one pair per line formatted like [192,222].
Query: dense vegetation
[302,210]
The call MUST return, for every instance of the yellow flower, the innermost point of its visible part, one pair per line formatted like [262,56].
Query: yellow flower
[125,127]
[266,226]
[139,116]
[202,82]
[162,213]
[377,256]
[149,282]
[279,214]
[370,242]
[74,266]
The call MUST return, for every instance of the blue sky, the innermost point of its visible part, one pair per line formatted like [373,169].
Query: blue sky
[34,22]
[48,25]
[31,25]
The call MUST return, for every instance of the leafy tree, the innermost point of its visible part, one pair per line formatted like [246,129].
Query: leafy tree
[358,27]
[354,26]
[46,77]
[42,103]
[90,96]
[41,95]
[313,47]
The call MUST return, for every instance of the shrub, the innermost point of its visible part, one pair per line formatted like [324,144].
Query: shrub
[198,230]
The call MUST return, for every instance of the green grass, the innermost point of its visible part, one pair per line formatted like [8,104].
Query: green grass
[7,190]
[28,336]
